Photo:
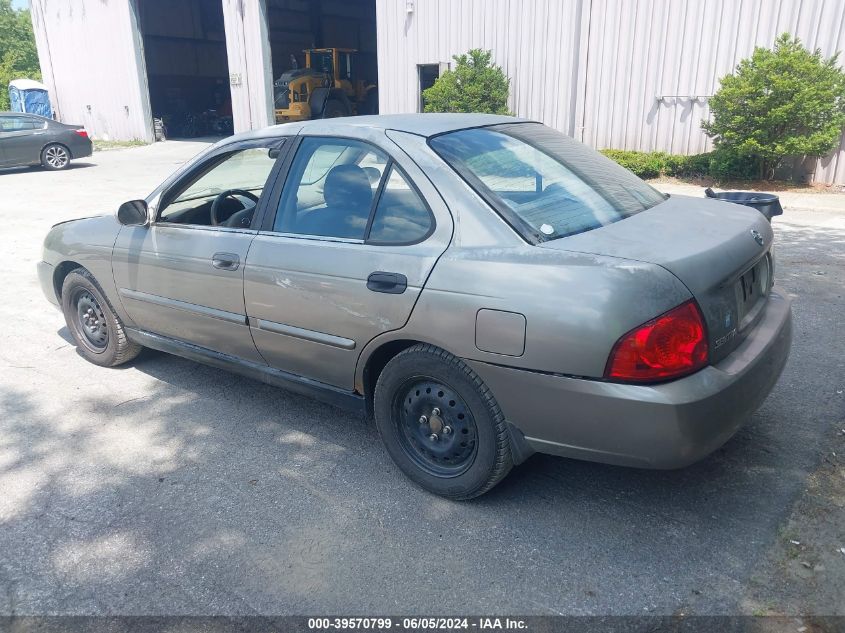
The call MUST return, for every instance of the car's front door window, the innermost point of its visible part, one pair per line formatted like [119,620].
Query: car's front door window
[16,124]
[225,193]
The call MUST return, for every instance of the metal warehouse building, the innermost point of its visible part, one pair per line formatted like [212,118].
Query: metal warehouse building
[626,74]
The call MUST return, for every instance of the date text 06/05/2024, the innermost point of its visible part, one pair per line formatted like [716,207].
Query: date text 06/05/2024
[416,623]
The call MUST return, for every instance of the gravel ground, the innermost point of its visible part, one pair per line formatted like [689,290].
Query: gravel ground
[167,487]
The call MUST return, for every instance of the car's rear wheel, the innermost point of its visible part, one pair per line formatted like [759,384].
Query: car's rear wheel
[55,157]
[440,423]
[97,330]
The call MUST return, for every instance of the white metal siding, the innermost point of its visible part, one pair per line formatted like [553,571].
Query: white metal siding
[531,39]
[250,63]
[639,50]
[92,64]
[593,68]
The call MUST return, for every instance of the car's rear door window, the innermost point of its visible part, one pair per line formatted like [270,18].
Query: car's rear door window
[545,184]
[330,188]
[348,189]
[401,216]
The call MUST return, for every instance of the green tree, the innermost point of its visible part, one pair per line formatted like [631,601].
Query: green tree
[475,85]
[782,102]
[18,56]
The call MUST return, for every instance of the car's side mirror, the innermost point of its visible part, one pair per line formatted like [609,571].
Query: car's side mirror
[132,213]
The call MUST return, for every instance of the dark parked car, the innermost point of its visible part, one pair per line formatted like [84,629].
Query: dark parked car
[483,285]
[29,139]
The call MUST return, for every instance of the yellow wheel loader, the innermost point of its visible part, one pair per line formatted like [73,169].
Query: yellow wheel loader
[327,87]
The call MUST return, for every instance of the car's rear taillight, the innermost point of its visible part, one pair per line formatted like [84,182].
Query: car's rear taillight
[82,133]
[669,346]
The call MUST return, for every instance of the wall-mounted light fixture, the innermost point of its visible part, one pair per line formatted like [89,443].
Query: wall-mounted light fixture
[409,6]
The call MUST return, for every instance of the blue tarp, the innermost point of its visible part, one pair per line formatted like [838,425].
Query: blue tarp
[31,99]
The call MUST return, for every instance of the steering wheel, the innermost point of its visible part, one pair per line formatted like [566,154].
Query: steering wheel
[215,206]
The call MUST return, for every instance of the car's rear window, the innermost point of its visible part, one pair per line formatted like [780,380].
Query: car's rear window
[546,184]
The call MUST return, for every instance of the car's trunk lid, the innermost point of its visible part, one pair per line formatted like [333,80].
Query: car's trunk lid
[717,249]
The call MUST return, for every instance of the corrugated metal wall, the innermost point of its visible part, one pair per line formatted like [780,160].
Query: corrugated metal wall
[595,68]
[250,64]
[640,50]
[531,39]
[90,56]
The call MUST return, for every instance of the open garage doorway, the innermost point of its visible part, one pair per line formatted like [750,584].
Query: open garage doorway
[324,58]
[187,68]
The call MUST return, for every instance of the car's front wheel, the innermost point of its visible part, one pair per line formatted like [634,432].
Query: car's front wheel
[97,330]
[441,424]
[55,157]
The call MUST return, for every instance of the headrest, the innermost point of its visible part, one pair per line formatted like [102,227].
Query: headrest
[348,186]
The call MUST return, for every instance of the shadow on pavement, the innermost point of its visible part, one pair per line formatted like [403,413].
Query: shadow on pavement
[205,492]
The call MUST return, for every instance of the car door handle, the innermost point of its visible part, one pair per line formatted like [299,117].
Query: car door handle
[225,261]
[390,283]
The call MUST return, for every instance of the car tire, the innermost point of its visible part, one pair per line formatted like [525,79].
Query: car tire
[441,424]
[55,157]
[98,332]
[334,109]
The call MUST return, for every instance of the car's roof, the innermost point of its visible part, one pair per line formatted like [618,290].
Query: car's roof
[428,124]
[37,116]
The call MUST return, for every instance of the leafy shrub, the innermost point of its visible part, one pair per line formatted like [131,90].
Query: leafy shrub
[682,166]
[18,57]
[643,164]
[725,164]
[781,102]
[475,85]
[720,164]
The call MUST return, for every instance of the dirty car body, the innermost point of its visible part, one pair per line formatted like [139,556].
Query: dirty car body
[555,302]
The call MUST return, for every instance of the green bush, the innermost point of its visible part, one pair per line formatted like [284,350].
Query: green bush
[18,57]
[724,164]
[643,164]
[782,102]
[475,85]
[682,166]
[720,164]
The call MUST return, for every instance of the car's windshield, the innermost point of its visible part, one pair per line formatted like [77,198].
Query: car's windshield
[544,183]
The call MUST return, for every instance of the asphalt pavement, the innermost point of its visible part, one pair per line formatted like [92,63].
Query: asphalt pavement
[168,487]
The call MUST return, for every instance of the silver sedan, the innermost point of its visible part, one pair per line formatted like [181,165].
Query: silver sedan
[483,286]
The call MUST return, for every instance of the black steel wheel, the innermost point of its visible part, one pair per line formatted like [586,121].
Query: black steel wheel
[440,423]
[90,324]
[97,330]
[435,426]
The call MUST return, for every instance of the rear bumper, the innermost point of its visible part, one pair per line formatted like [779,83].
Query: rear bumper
[81,148]
[660,426]
[45,278]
